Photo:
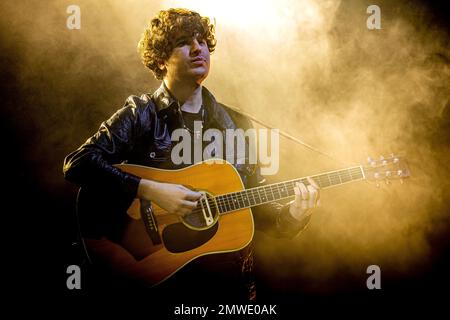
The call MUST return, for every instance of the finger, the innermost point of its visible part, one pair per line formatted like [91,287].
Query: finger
[298,197]
[303,190]
[312,196]
[192,195]
[305,205]
[312,202]
[312,182]
[190,205]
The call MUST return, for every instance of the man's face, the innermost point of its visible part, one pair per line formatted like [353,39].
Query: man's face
[189,60]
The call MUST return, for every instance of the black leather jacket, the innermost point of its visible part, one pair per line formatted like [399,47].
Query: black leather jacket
[140,133]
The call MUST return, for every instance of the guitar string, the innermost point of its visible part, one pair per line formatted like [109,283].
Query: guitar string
[276,186]
[227,200]
[345,175]
[241,196]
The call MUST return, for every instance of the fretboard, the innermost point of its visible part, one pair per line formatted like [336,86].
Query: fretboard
[265,194]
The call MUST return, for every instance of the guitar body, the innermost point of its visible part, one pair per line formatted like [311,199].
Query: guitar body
[138,256]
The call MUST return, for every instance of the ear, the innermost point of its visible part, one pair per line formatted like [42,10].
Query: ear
[161,65]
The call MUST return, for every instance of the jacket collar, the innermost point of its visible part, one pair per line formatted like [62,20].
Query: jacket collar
[164,99]
[167,104]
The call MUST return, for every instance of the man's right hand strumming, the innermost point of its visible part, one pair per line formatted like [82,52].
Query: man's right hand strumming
[173,198]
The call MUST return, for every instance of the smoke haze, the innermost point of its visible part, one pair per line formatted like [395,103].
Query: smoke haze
[310,68]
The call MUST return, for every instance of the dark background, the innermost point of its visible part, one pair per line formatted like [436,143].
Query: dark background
[52,108]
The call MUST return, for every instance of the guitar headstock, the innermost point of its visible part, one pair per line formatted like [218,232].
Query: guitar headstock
[386,169]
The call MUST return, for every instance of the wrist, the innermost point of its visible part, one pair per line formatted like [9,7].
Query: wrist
[298,213]
[145,189]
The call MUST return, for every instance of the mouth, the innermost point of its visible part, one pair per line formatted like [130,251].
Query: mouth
[198,60]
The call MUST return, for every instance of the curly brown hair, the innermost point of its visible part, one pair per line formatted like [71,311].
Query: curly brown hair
[159,38]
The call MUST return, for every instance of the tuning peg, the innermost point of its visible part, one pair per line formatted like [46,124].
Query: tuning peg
[395,160]
[376,175]
[399,173]
[371,161]
[388,173]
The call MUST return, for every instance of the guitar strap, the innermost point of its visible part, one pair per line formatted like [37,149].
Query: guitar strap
[286,135]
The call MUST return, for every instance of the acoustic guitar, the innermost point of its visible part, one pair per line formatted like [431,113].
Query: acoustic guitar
[155,244]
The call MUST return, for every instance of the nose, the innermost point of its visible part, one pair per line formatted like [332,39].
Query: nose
[195,46]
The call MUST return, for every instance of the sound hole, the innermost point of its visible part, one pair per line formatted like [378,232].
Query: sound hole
[196,219]
[179,238]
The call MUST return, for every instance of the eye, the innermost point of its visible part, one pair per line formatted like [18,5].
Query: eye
[182,42]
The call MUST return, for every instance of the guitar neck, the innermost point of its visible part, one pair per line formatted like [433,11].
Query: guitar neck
[277,191]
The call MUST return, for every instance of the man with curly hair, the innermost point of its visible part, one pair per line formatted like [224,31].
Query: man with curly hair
[176,47]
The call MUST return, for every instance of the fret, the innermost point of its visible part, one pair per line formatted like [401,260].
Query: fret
[288,189]
[326,179]
[241,197]
[261,197]
[269,193]
[322,181]
[291,190]
[251,196]
[329,180]
[235,201]
[220,204]
[333,179]
[277,189]
[221,201]
[239,201]
[283,190]
[346,176]
[231,202]
[360,174]
[256,196]
[349,172]
[330,177]
[356,173]
[304,181]
[292,186]
[338,174]
[245,198]
[227,203]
